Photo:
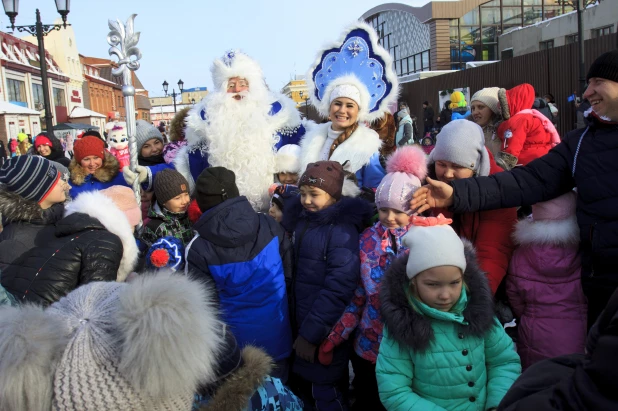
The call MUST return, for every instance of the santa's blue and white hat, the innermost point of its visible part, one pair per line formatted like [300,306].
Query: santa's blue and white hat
[235,63]
[356,67]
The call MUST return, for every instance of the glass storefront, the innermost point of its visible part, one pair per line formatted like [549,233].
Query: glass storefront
[474,37]
[406,38]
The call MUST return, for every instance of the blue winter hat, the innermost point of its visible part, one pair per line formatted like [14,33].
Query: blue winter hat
[32,177]
[166,252]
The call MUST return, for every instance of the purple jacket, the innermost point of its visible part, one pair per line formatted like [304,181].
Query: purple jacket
[544,288]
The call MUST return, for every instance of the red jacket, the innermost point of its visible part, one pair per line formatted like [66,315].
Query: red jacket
[490,233]
[526,134]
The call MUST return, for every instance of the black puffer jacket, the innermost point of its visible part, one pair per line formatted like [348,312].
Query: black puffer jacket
[22,220]
[93,242]
[594,174]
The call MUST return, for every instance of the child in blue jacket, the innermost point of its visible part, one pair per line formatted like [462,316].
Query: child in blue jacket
[326,228]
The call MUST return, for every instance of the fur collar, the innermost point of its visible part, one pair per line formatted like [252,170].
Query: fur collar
[106,173]
[358,149]
[181,164]
[97,205]
[348,210]
[288,116]
[15,208]
[547,232]
[237,390]
[410,328]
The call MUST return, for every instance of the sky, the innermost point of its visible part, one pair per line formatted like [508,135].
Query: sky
[180,38]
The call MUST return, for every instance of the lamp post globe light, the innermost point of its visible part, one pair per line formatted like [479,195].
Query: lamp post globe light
[181,86]
[40,30]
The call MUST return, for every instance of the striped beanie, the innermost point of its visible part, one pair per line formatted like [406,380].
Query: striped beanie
[31,177]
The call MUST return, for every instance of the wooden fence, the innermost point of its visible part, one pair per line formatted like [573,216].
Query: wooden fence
[552,71]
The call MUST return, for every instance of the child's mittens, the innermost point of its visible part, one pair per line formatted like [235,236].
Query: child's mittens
[194,211]
[166,252]
[325,352]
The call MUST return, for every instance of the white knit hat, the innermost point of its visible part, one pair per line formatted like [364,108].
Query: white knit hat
[144,345]
[432,243]
[287,159]
[462,142]
[489,97]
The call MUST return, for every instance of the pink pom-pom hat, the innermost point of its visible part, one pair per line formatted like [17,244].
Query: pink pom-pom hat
[406,169]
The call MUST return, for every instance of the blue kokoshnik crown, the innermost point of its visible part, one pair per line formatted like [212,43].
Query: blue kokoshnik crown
[360,61]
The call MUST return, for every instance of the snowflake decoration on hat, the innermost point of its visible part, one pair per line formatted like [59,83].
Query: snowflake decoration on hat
[355,48]
[228,58]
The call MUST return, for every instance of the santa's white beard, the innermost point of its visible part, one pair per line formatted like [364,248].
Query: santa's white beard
[241,138]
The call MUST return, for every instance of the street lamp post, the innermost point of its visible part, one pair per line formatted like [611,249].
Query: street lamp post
[173,94]
[40,30]
[306,104]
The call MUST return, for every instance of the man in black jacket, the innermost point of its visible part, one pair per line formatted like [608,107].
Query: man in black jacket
[585,160]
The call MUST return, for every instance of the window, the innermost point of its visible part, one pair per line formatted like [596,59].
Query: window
[59,99]
[573,38]
[37,96]
[17,90]
[546,45]
[506,54]
[602,31]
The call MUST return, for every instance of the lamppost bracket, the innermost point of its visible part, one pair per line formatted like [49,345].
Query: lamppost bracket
[47,28]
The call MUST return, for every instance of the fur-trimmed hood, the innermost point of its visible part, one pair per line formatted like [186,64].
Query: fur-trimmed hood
[547,232]
[357,149]
[177,125]
[237,390]
[15,208]
[348,210]
[102,208]
[412,329]
[106,173]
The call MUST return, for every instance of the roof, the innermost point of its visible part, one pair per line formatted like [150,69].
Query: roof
[8,108]
[142,102]
[194,89]
[79,112]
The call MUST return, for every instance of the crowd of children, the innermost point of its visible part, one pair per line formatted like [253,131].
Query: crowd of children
[355,265]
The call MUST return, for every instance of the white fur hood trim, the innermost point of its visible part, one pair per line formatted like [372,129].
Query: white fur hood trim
[181,164]
[97,205]
[357,149]
[547,232]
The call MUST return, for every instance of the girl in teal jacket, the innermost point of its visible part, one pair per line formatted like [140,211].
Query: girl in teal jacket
[442,347]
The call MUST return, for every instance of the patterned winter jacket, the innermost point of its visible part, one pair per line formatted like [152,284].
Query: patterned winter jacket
[164,223]
[378,248]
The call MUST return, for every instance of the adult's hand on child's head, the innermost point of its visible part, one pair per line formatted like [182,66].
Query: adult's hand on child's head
[432,195]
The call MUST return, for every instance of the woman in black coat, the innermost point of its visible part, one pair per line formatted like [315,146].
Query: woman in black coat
[46,253]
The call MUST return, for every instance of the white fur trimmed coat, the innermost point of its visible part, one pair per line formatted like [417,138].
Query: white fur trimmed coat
[357,149]
[93,242]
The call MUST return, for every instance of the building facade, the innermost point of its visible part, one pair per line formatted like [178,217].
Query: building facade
[63,46]
[103,90]
[296,89]
[445,35]
[598,20]
[21,84]
[193,94]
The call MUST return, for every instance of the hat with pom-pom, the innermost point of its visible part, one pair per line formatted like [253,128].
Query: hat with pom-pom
[433,243]
[166,252]
[129,338]
[406,169]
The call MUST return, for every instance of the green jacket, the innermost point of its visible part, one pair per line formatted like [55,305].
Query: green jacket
[431,360]
[164,223]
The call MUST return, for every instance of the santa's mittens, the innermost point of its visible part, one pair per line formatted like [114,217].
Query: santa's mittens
[325,352]
[194,211]
[166,252]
